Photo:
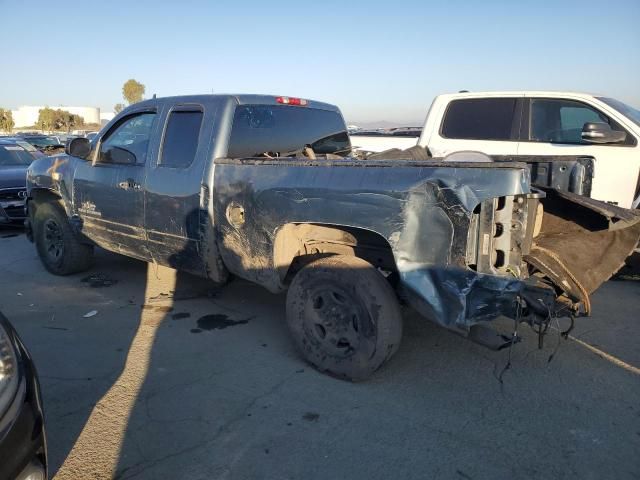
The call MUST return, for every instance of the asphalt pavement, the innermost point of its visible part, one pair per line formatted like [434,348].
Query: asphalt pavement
[173,377]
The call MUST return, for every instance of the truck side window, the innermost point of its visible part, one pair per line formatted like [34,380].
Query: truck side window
[128,142]
[561,121]
[479,119]
[181,139]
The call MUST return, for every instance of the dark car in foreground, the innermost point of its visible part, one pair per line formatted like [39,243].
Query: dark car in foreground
[15,157]
[23,449]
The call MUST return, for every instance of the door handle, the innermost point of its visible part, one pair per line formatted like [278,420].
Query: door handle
[129,184]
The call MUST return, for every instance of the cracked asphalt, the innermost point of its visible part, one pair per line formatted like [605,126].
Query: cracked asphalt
[175,378]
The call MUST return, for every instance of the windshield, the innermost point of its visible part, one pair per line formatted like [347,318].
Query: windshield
[273,131]
[14,155]
[27,146]
[42,141]
[632,113]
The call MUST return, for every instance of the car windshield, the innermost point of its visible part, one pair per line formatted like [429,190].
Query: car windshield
[27,146]
[42,141]
[14,155]
[628,111]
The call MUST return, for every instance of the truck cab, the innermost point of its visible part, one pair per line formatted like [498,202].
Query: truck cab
[144,187]
[525,125]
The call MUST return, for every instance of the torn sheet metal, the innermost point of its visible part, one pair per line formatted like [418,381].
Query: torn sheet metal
[582,242]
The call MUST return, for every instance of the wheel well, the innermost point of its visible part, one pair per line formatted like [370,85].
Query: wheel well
[41,195]
[298,243]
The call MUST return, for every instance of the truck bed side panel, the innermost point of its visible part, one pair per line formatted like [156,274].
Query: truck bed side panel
[423,210]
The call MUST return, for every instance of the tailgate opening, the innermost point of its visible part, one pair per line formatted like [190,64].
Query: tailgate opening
[582,242]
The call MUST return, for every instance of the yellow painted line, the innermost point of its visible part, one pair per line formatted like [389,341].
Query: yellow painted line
[610,358]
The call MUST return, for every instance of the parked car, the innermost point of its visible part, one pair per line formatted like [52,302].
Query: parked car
[23,447]
[63,139]
[91,135]
[536,126]
[15,157]
[262,187]
[48,144]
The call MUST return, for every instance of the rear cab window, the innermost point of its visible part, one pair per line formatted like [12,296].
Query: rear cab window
[281,130]
[480,119]
[181,138]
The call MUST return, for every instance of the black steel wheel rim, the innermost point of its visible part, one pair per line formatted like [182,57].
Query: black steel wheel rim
[336,320]
[53,240]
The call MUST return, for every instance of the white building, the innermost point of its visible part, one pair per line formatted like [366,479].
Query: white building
[27,116]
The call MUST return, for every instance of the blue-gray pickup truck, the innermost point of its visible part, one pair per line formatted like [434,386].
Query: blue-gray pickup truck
[265,188]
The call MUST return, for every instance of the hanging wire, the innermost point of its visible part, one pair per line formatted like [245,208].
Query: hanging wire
[514,338]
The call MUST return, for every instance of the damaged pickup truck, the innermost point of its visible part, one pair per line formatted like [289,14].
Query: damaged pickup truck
[264,188]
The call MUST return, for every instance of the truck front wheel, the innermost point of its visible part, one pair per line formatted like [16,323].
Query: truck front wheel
[58,247]
[344,316]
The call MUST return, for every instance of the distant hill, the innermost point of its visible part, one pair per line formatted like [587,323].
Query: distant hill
[386,124]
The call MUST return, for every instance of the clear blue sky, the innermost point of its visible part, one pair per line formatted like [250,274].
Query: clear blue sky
[377,60]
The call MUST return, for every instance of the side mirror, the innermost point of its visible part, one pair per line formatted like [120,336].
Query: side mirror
[601,133]
[78,147]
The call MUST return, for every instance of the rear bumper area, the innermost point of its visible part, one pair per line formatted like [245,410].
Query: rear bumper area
[530,259]
[459,299]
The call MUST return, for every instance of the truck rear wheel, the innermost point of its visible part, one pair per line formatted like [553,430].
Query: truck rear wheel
[344,316]
[58,247]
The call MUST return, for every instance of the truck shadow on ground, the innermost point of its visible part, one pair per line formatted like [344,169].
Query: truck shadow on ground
[205,383]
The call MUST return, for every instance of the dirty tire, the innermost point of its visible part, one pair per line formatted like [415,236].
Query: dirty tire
[344,316]
[58,247]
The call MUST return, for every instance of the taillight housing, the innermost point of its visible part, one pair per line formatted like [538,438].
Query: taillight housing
[301,102]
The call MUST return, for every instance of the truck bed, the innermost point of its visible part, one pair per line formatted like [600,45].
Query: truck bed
[426,212]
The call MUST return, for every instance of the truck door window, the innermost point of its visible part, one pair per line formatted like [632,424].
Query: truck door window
[479,119]
[181,139]
[127,143]
[561,121]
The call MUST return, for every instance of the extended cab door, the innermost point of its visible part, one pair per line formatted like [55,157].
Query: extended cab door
[176,201]
[109,191]
[483,124]
[553,126]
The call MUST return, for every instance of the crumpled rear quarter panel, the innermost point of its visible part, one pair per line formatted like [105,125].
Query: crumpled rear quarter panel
[422,209]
